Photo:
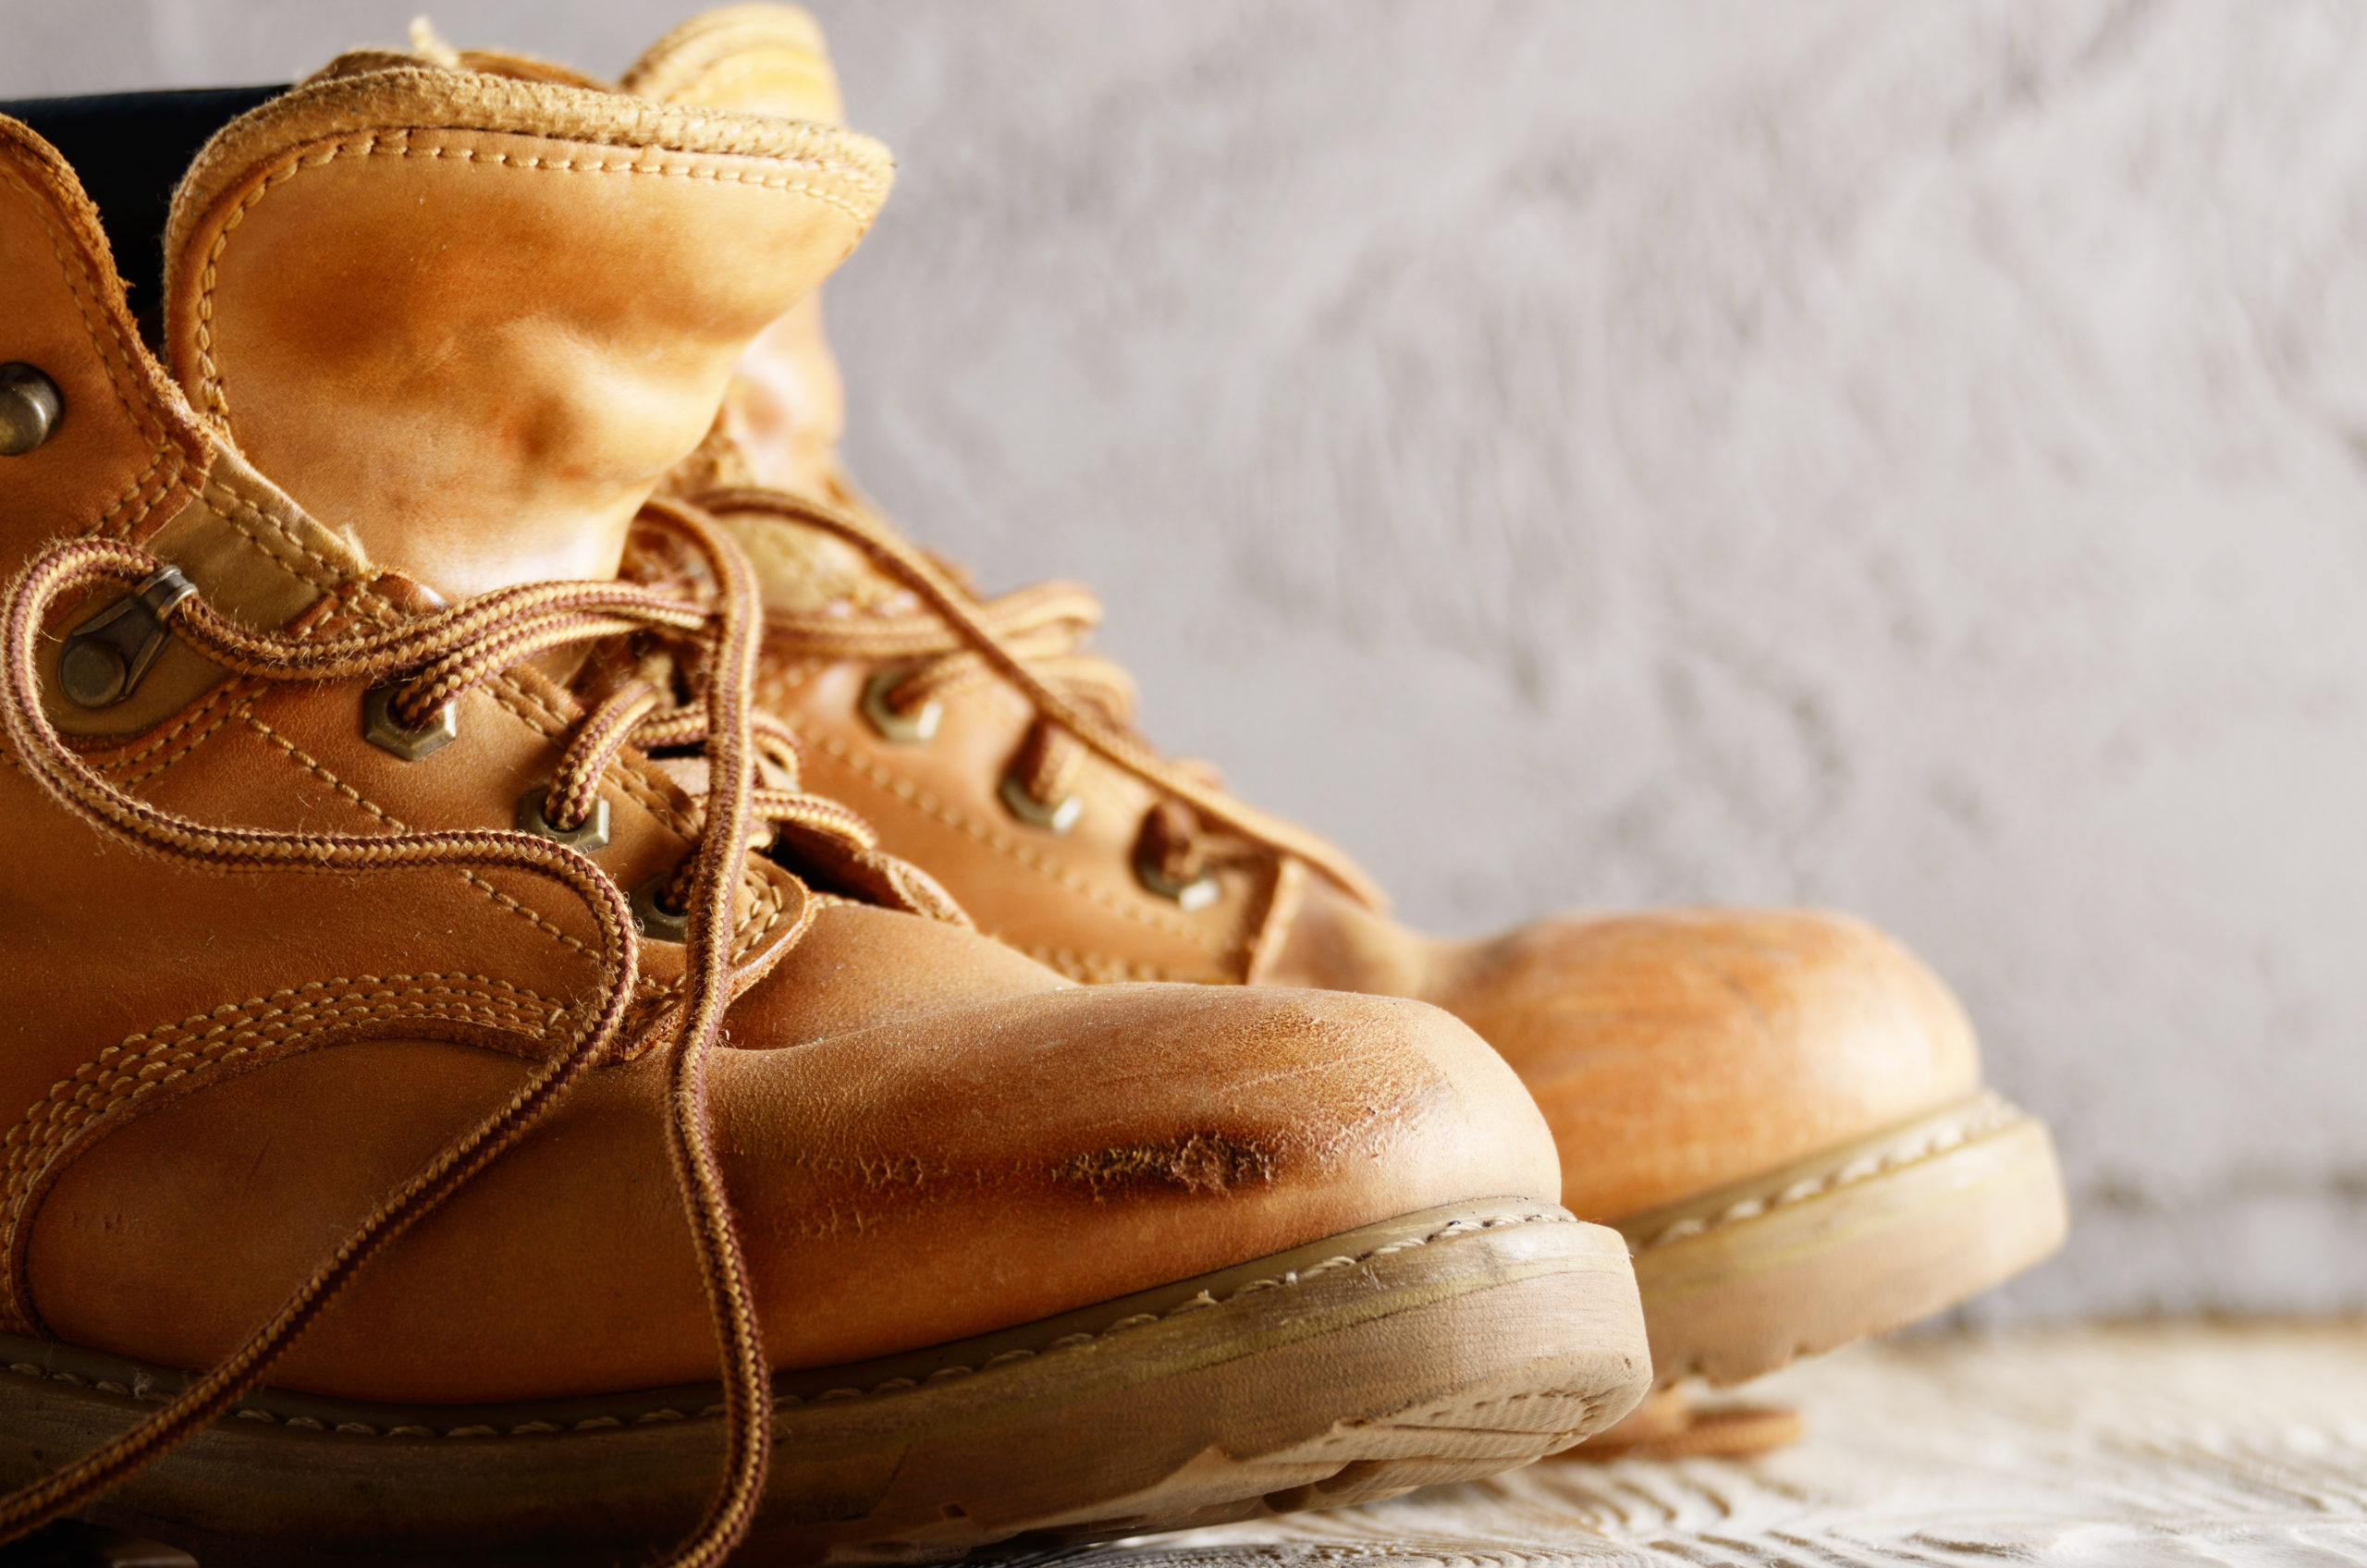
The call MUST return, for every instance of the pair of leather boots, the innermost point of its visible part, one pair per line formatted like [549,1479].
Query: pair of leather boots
[572,992]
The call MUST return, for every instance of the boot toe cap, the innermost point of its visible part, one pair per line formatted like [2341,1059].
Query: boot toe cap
[1103,1140]
[1676,1051]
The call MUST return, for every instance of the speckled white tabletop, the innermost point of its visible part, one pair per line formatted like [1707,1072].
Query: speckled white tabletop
[2171,1444]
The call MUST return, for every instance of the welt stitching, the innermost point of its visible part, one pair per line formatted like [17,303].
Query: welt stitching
[914,796]
[1978,1123]
[663,1414]
[399,145]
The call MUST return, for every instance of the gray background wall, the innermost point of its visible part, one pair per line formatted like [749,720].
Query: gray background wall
[1905,457]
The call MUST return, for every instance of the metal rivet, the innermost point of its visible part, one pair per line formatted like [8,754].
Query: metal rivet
[652,919]
[1197,894]
[106,657]
[904,728]
[384,730]
[92,674]
[590,836]
[1059,816]
[30,408]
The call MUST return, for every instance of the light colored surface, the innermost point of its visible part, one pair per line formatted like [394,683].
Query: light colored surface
[1906,457]
[2155,1446]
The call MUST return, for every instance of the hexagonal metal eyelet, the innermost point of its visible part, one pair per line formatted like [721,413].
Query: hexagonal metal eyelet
[903,729]
[1195,895]
[590,836]
[653,920]
[1057,817]
[382,729]
[30,408]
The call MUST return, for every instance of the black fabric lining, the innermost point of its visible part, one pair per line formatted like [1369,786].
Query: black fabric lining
[130,150]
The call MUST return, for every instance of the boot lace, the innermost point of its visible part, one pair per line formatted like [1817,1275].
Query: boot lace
[1031,639]
[437,657]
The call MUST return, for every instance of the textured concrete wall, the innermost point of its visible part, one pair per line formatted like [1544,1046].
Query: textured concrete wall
[1911,458]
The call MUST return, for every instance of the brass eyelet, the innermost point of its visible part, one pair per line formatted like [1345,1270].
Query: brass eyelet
[652,919]
[1195,895]
[590,836]
[903,729]
[1056,816]
[30,408]
[382,729]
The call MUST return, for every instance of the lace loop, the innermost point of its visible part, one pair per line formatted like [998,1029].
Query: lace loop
[453,651]
[1027,639]
[599,740]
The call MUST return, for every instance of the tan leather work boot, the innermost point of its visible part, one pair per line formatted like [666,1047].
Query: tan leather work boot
[332,1058]
[1782,1111]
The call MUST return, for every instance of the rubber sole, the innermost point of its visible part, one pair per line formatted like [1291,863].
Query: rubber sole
[1856,1241]
[1437,1347]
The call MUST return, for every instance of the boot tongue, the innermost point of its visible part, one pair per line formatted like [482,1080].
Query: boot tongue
[786,406]
[475,318]
[768,59]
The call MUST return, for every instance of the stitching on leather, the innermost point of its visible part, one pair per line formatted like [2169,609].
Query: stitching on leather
[748,939]
[132,494]
[113,352]
[397,144]
[1096,969]
[79,284]
[333,578]
[1989,1116]
[321,770]
[532,917]
[187,718]
[225,692]
[204,1041]
[921,798]
[664,1413]
[240,690]
[238,510]
[189,715]
[634,778]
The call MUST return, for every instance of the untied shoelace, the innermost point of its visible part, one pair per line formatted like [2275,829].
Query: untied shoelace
[1030,638]
[439,656]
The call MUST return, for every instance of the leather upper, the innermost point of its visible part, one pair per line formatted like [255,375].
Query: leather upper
[207,1078]
[1673,1053]
[557,281]
[1676,1051]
